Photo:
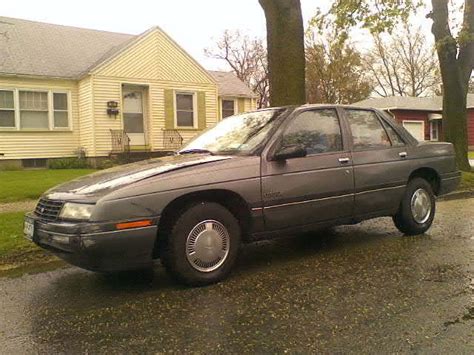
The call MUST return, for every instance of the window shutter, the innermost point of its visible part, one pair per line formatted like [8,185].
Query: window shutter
[201,110]
[169,109]
[241,105]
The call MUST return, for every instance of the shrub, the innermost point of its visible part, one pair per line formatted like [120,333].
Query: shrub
[105,164]
[68,163]
[10,167]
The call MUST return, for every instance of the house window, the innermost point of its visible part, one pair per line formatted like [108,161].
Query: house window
[7,109]
[185,110]
[34,110]
[61,111]
[434,130]
[228,108]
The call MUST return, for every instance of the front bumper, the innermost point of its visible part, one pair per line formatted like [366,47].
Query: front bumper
[95,246]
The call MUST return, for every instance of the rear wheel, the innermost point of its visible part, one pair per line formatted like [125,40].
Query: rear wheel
[201,244]
[417,208]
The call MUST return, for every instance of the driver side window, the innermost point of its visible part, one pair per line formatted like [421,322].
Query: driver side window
[318,131]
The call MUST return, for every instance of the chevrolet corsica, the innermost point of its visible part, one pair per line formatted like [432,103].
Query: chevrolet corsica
[252,176]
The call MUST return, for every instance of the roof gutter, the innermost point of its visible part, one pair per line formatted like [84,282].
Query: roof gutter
[33,76]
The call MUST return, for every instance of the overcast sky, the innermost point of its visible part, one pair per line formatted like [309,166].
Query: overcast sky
[194,24]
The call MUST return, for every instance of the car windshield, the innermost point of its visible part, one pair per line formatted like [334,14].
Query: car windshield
[239,134]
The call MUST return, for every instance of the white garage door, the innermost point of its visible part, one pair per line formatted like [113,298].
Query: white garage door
[416,129]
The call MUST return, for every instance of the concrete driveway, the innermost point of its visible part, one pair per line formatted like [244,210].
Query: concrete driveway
[358,289]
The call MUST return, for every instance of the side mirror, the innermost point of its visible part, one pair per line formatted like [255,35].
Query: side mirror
[292,151]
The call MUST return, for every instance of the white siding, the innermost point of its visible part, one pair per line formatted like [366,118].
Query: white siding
[155,56]
[86,118]
[109,89]
[157,63]
[41,144]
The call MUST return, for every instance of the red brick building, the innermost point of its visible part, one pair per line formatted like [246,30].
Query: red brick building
[421,116]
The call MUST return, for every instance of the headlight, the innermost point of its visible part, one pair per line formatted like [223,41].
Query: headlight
[79,211]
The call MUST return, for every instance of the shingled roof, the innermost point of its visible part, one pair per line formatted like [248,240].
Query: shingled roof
[230,85]
[42,49]
[33,48]
[434,103]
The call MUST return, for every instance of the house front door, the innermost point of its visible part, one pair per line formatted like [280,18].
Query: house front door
[133,118]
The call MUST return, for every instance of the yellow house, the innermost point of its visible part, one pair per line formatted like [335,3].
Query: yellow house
[66,91]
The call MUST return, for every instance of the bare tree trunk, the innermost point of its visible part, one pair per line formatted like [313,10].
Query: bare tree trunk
[455,72]
[286,57]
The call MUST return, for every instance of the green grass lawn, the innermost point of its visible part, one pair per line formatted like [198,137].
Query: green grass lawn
[467,181]
[17,254]
[470,155]
[30,184]
[11,235]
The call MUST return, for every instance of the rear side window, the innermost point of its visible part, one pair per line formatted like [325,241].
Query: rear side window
[367,130]
[394,137]
[318,131]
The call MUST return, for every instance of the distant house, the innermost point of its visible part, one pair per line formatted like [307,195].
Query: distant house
[64,89]
[421,116]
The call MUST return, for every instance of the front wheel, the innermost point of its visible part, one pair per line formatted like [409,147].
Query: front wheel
[417,208]
[201,244]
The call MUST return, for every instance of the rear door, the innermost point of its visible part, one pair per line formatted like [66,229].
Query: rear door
[311,189]
[380,162]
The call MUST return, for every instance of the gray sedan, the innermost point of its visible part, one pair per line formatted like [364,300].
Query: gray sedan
[252,176]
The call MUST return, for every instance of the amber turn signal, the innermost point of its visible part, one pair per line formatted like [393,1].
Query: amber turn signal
[135,224]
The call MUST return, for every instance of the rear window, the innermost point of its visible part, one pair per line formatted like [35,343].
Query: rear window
[367,130]
[394,136]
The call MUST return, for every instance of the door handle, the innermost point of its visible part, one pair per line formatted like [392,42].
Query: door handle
[403,154]
[344,160]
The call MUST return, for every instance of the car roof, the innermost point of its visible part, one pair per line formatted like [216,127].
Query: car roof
[304,106]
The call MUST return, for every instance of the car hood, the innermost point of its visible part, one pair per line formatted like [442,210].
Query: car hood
[91,186]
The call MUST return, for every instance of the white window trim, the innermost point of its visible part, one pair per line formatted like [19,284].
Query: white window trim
[69,112]
[16,101]
[195,109]
[431,130]
[415,121]
[228,99]
[14,111]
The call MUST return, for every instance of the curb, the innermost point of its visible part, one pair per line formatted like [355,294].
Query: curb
[457,195]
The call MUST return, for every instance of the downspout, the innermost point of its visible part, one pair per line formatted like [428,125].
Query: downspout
[391,114]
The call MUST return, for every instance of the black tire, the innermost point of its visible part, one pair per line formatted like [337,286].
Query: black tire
[173,251]
[404,219]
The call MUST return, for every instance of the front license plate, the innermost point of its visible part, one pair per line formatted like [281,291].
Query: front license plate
[29,228]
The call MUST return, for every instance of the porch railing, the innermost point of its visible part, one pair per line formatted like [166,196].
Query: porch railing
[120,141]
[172,140]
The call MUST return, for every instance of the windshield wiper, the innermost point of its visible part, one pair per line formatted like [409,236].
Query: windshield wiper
[195,151]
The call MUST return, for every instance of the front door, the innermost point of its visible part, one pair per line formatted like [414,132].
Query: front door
[316,188]
[133,118]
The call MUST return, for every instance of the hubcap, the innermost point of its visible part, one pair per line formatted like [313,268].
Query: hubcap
[207,245]
[421,206]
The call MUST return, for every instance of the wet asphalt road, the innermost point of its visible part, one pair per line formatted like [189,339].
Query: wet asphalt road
[363,288]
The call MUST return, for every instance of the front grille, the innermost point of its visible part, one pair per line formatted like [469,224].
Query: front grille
[48,209]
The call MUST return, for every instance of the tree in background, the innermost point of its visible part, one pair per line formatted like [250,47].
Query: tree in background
[286,56]
[403,64]
[456,59]
[455,53]
[334,69]
[248,59]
